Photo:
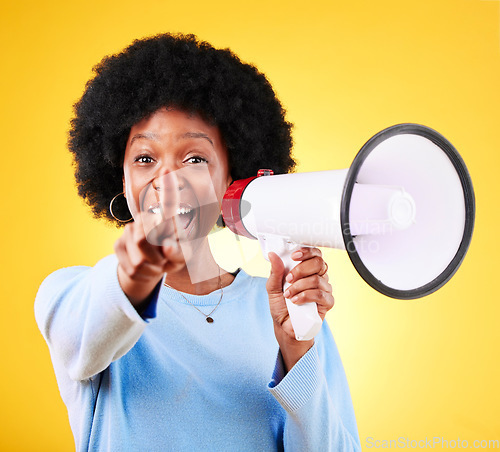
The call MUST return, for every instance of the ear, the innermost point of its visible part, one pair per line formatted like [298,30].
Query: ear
[123,187]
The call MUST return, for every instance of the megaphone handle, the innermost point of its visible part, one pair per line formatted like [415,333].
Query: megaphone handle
[305,319]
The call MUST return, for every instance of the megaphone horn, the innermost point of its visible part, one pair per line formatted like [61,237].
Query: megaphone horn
[404,212]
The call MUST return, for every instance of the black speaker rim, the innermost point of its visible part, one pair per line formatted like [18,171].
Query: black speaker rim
[469,200]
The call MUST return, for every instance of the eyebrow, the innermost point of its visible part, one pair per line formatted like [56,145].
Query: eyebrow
[198,135]
[154,137]
[146,135]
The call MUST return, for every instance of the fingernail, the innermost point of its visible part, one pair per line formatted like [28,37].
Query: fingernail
[289,277]
[297,254]
[294,299]
[286,294]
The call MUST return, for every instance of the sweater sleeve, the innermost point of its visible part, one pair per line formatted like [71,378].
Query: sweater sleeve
[316,397]
[86,319]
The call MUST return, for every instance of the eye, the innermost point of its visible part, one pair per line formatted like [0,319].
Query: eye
[144,159]
[196,160]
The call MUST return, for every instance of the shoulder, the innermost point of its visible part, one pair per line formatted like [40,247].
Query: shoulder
[58,281]
[248,283]
[66,275]
[62,276]
[248,292]
[72,279]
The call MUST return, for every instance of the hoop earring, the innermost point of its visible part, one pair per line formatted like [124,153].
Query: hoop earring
[111,210]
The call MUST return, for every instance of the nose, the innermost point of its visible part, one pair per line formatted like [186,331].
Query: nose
[168,179]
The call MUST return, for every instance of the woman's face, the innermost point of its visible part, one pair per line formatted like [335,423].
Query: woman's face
[175,173]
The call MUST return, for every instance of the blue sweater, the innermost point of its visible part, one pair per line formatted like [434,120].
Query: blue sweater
[174,382]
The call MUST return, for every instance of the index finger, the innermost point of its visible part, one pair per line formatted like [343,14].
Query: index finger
[167,192]
[162,225]
[305,253]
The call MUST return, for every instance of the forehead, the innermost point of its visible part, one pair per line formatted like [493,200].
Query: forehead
[173,124]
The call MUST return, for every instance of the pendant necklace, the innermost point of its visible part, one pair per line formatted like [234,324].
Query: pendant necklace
[208,317]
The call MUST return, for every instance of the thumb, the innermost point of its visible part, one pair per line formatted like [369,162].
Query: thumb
[275,281]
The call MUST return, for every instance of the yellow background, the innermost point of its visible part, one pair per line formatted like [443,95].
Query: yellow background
[344,70]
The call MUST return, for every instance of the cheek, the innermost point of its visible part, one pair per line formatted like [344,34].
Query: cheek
[220,182]
[131,193]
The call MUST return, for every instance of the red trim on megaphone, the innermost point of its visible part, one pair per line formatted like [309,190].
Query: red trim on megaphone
[231,207]
[231,204]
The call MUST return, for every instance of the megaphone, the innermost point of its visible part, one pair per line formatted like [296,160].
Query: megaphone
[404,212]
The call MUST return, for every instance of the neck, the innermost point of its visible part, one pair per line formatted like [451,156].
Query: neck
[200,275]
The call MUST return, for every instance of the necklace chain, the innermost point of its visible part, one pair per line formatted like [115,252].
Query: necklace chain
[208,317]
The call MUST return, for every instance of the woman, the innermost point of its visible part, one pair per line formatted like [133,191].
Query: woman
[156,348]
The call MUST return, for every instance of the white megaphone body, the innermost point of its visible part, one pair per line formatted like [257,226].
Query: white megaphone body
[404,211]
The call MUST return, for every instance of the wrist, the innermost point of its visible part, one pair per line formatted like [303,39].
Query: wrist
[138,292]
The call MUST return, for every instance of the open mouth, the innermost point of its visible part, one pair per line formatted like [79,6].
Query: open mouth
[185,214]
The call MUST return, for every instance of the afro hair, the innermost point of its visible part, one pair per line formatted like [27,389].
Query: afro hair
[181,71]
